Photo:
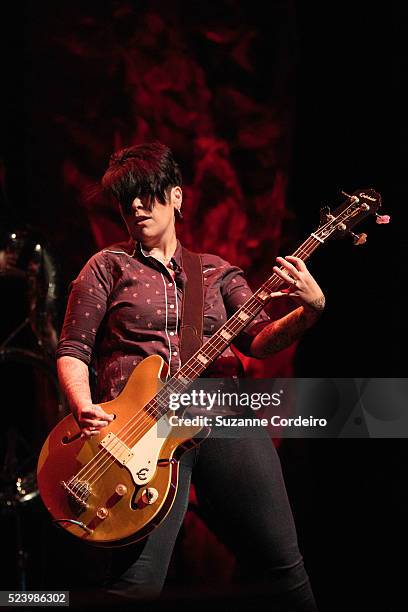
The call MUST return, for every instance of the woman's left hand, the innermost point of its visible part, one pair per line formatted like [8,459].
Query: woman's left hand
[302,287]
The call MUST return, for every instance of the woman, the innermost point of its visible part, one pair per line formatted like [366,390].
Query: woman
[125,305]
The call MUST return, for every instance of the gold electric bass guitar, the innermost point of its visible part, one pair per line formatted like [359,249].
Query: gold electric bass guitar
[116,487]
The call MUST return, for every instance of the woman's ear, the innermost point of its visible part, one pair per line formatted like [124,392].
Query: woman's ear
[177,199]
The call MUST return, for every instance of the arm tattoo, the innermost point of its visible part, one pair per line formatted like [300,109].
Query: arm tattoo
[282,333]
[318,304]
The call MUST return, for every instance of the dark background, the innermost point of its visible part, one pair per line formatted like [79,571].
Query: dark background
[271,110]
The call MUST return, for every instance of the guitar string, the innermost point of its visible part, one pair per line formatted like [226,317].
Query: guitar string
[271,284]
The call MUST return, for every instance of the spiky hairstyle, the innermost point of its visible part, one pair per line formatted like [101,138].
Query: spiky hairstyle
[144,171]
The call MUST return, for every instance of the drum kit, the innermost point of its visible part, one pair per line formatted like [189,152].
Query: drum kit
[32,402]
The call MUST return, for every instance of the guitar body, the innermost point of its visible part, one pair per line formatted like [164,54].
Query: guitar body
[116,487]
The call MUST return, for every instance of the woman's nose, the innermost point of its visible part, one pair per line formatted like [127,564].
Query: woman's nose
[137,205]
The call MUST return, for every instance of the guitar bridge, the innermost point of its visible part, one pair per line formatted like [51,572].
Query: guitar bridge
[78,491]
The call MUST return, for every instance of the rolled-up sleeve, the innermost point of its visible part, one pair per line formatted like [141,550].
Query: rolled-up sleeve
[235,292]
[87,304]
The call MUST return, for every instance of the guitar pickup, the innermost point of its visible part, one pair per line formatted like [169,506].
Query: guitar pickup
[117,448]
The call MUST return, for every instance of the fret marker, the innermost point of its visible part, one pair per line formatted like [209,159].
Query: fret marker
[243,316]
[263,295]
[182,378]
[225,334]
[201,358]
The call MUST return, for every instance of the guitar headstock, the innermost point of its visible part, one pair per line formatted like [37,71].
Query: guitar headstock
[355,208]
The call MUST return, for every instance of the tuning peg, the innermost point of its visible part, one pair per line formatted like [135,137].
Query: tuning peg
[353,198]
[325,215]
[382,219]
[358,238]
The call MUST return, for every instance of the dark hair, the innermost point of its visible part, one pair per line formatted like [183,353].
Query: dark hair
[144,171]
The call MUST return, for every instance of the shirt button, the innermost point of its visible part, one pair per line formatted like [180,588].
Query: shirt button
[170,284]
[171,305]
[175,353]
[171,333]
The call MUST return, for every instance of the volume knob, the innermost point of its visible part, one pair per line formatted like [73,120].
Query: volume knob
[150,495]
[102,513]
[121,489]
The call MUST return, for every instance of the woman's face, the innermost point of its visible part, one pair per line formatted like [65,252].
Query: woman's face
[147,226]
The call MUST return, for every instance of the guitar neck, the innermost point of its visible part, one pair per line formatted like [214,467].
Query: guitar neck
[217,344]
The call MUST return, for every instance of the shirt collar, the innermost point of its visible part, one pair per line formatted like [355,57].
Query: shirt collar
[176,258]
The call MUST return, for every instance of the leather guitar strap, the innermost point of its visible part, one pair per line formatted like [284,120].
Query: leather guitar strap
[191,325]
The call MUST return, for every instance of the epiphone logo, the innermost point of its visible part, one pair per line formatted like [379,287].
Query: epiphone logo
[141,474]
[364,195]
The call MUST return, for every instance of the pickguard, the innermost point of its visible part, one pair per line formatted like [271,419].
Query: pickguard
[146,452]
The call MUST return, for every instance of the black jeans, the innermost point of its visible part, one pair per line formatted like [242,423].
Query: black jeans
[242,496]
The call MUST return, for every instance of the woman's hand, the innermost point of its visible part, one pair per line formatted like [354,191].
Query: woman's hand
[302,286]
[305,291]
[91,419]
